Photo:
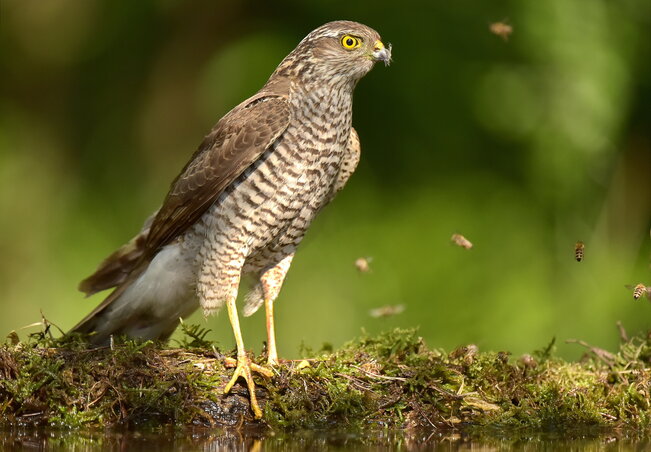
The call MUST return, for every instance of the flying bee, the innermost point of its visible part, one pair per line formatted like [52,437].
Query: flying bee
[362,264]
[501,29]
[640,290]
[387,311]
[578,251]
[461,241]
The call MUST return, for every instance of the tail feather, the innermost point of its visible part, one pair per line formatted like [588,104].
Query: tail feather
[111,318]
[115,269]
[148,303]
[95,323]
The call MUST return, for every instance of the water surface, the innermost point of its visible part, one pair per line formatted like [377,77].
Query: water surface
[264,440]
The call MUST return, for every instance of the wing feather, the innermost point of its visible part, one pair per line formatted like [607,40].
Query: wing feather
[236,142]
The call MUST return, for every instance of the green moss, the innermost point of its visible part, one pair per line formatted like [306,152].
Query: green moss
[390,380]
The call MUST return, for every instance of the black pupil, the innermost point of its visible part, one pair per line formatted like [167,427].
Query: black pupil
[350,42]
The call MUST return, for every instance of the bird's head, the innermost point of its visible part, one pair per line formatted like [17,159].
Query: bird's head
[336,50]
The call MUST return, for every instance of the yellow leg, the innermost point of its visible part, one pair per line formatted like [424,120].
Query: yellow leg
[272,352]
[244,366]
[272,281]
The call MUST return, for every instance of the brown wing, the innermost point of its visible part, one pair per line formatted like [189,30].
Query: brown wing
[237,141]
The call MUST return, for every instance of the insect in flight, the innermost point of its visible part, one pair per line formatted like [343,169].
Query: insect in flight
[362,264]
[501,29]
[579,250]
[461,241]
[640,290]
[387,311]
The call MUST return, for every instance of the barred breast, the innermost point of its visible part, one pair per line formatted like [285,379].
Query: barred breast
[264,214]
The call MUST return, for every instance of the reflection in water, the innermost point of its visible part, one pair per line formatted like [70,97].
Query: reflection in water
[210,440]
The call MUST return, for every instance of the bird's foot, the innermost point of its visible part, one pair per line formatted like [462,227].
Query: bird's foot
[243,369]
[232,362]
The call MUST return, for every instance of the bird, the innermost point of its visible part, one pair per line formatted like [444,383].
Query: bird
[243,202]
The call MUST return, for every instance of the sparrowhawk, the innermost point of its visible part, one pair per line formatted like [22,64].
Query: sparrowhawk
[243,202]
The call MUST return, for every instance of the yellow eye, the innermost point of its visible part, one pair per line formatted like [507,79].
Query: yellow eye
[350,42]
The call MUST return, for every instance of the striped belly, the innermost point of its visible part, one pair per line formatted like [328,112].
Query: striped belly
[268,210]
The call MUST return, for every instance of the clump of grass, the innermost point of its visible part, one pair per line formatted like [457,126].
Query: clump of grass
[395,380]
[63,383]
[392,379]
[194,336]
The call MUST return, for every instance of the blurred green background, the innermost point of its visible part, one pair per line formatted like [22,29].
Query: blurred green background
[523,145]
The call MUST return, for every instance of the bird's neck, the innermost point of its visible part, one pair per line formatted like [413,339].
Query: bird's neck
[323,111]
[324,98]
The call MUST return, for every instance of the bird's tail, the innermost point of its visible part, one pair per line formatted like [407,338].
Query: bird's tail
[121,316]
[114,317]
[116,269]
[148,303]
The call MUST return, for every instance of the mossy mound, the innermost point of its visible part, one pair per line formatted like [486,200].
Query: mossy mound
[392,380]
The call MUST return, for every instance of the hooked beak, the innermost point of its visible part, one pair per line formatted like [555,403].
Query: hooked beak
[381,53]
